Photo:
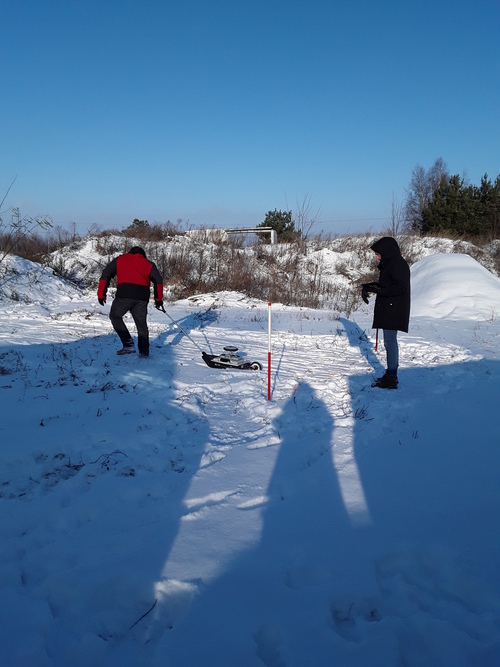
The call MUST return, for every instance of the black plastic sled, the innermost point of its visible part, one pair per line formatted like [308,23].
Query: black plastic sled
[229,359]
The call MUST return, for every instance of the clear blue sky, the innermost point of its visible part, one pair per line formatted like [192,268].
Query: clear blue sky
[216,111]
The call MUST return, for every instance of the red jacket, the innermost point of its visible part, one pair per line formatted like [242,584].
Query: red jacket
[134,273]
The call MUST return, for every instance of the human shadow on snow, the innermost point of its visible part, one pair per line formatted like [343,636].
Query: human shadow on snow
[183,327]
[304,524]
[428,426]
[358,338]
[290,596]
[112,492]
[320,586]
[428,464]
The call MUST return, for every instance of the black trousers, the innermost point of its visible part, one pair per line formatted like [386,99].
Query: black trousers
[139,310]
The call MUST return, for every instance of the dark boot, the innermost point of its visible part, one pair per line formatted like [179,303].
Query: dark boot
[386,382]
[128,348]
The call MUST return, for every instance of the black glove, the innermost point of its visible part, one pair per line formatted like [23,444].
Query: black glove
[371,288]
[102,301]
[364,294]
[159,305]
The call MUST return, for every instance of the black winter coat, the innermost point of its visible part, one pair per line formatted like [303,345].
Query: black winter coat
[392,305]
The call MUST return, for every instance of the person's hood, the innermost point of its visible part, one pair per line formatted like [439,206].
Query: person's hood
[386,247]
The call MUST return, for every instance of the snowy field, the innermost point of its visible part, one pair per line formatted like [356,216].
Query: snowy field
[156,512]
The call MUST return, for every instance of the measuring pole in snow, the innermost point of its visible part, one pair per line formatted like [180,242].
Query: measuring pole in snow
[269,352]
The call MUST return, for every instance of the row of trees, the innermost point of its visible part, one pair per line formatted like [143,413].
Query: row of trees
[438,203]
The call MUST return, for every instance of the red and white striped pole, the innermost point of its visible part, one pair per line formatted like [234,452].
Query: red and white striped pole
[269,352]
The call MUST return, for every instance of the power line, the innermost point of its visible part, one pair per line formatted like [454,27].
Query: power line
[327,222]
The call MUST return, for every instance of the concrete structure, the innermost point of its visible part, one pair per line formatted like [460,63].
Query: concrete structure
[255,230]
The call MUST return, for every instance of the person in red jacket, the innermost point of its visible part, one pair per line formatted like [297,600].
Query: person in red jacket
[134,273]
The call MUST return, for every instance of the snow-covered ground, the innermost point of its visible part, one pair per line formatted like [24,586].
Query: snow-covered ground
[161,513]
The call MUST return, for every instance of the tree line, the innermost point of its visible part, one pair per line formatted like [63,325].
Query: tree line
[440,203]
[436,203]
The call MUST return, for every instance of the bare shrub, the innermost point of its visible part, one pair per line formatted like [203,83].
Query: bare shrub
[23,238]
[108,243]
[495,255]
[326,273]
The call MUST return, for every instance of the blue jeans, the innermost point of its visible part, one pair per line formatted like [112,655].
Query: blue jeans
[392,351]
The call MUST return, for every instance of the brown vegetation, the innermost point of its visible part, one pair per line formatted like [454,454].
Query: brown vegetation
[325,272]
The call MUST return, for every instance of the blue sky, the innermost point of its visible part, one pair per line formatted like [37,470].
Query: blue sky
[218,111]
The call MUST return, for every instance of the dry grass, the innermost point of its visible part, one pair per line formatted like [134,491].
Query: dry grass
[324,273]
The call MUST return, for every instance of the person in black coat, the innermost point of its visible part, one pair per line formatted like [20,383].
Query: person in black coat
[392,303]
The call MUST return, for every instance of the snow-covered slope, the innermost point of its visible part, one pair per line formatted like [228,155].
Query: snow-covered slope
[30,283]
[160,513]
[337,264]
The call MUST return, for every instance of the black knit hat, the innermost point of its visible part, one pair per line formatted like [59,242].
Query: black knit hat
[136,251]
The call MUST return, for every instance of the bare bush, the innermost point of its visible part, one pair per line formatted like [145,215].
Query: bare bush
[496,257]
[21,236]
[326,273]
[109,244]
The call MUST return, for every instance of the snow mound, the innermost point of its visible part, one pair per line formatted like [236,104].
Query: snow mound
[27,282]
[455,287]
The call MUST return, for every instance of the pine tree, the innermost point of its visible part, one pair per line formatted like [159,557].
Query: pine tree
[282,223]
